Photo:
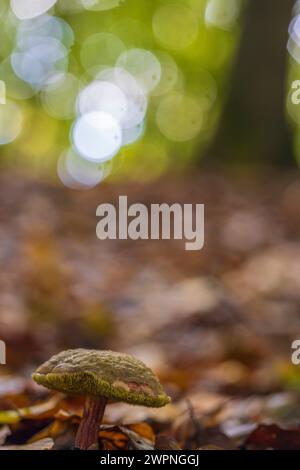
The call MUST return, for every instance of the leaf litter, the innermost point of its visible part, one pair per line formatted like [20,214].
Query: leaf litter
[216,326]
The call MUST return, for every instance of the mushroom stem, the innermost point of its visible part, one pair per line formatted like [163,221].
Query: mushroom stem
[87,434]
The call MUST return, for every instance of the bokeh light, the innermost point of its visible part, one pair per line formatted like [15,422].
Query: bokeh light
[15,87]
[103,96]
[101,49]
[42,49]
[26,9]
[10,122]
[97,136]
[36,64]
[294,49]
[179,117]
[169,75]
[137,101]
[65,177]
[60,94]
[69,7]
[132,134]
[175,26]
[222,14]
[112,81]
[83,171]
[78,173]
[133,33]
[143,65]
[31,32]
[101,5]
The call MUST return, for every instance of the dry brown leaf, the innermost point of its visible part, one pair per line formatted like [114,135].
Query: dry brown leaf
[42,410]
[273,437]
[54,430]
[123,437]
[111,437]
[142,429]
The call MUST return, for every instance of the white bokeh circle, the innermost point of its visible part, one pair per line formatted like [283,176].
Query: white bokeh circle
[97,136]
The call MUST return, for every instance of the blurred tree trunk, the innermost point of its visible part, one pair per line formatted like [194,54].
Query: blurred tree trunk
[253,126]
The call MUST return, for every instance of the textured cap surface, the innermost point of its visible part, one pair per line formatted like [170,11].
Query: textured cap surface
[102,373]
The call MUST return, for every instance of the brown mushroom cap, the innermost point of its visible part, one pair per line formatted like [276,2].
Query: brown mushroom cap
[107,374]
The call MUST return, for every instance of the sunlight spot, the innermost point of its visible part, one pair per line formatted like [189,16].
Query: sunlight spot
[97,136]
[26,9]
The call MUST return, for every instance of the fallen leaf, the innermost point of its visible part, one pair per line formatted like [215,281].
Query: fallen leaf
[165,442]
[112,437]
[137,442]
[43,444]
[273,437]
[54,430]
[42,410]
[143,429]
[123,437]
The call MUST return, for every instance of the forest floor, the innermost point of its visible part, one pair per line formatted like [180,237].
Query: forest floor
[216,325]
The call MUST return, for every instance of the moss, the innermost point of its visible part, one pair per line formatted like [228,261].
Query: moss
[102,373]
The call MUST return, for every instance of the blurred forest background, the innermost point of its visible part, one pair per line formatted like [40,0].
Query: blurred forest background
[195,41]
[46,61]
[208,56]
[164,101]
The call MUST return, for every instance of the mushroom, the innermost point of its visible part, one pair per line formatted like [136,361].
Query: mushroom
[100,376]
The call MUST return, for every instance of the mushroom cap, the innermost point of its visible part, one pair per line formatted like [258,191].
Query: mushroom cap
[109,374]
